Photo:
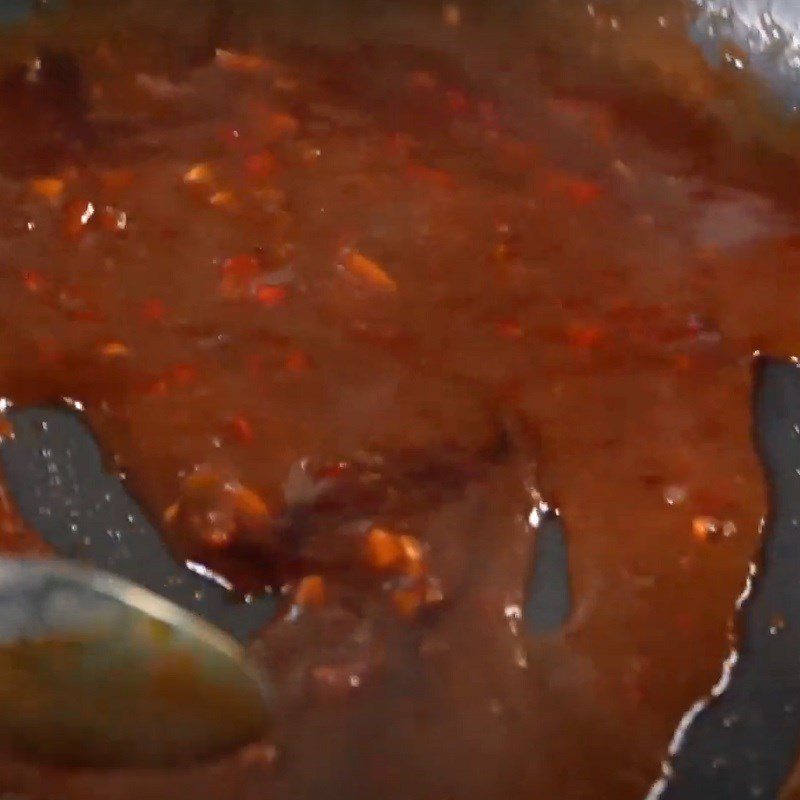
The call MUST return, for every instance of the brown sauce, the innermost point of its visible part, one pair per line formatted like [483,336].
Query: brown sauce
[301,290]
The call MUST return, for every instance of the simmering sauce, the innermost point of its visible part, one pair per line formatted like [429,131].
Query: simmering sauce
[342,287]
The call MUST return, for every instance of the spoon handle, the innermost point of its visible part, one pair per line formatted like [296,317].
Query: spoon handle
[55,472]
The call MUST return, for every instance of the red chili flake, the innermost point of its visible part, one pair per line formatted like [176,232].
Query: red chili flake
[457,101]
[242,62]
[311,592]
[509,328]
[153,310]
[48,188]
[271,296]
[579,191]
[33,280]
[683,363]
[240,429]
[238,274]
[297,362]
[184,374]
[259,166]
[333,471]
[585,337]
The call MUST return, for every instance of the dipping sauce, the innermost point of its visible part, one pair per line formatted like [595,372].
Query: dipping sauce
[339,289]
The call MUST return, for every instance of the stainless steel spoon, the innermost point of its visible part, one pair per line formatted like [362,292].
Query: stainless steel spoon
[98,672]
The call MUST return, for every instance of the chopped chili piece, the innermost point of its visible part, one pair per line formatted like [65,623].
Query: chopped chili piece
[238,274]
[199,173]
[579,191]
[369,271]
[115,350]
[242,62]
[271,296]
[311,592]
[49,188]
[384,550]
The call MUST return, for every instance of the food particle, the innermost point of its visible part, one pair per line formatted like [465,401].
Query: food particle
[384,550]
[241,62]
[281,125]
[238,274]
[705,528]
[225,199]
[170,515]
[259,166]
[408,601]
[369,271]
[49,188]
[198,173]
[451,15]
[311,592]
[271,296]
[218,538]
[412,555]
[579,191]
[115,350]
[248,502]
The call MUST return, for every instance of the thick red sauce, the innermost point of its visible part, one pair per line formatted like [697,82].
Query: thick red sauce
[432,258]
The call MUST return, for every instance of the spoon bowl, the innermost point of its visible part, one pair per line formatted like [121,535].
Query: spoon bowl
[98,672]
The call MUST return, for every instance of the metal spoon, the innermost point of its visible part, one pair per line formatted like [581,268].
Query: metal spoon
[98,672]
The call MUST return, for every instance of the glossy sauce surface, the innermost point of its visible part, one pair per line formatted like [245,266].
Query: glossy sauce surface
[337,299]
